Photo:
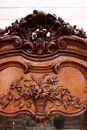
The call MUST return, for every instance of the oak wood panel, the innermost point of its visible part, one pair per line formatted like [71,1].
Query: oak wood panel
[43,68]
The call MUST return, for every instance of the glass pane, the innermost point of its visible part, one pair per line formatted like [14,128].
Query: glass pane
[59,122]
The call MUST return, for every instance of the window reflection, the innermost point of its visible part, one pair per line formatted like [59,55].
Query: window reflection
[58,122]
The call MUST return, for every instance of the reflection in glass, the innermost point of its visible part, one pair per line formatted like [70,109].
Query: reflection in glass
[58,122]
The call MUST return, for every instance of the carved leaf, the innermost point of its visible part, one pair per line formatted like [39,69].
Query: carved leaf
[65,105]
[34,79]
[16,103]
[21,106]
[40,82]
[5,104]
[58,104]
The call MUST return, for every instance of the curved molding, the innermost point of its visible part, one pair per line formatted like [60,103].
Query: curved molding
[27,67]
[16,41]
[69,114]
[66,38]
[14,64]
[27,112]
[76,65]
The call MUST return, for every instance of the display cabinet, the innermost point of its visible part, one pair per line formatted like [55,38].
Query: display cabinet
[43,68]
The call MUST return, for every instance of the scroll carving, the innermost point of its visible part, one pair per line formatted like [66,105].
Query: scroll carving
[41,34]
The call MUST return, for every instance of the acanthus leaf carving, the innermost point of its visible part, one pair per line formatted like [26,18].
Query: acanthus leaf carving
[41,24]
[39,33]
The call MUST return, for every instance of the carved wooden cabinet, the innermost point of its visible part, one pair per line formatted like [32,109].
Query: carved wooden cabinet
[43,68]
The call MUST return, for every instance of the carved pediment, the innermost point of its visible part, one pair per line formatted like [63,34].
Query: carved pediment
[42,34]
[39,24]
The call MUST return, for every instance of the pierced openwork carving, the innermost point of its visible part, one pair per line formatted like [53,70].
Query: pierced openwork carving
[40,33]
[41,24]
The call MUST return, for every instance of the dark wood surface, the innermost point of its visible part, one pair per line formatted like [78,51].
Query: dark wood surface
[43,68]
